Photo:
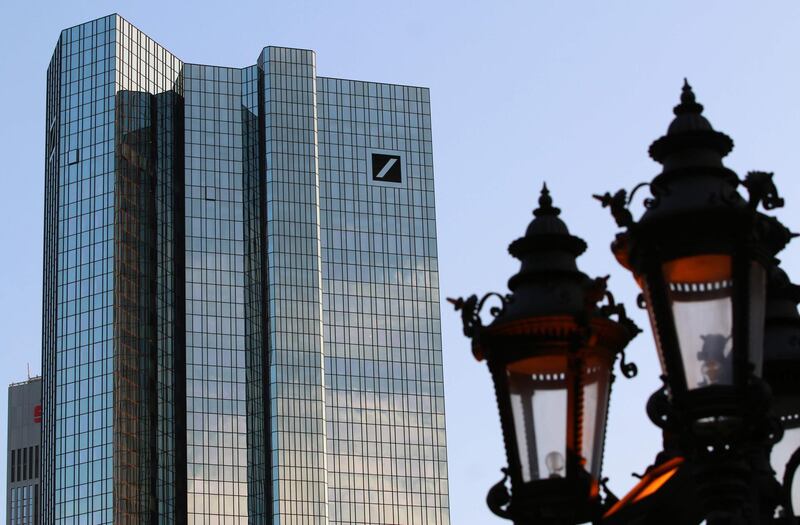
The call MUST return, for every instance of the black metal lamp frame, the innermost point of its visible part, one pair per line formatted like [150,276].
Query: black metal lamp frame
[563,500]
[717,438]
[551,314]
[725,430]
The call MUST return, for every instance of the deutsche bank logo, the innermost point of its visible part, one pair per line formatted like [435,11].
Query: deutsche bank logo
[386,167]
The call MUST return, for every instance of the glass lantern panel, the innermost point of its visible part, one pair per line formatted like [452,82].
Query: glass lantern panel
[538,390]
[700,290]
[596,374]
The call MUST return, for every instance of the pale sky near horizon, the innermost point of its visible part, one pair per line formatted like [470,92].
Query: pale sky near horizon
[522,92]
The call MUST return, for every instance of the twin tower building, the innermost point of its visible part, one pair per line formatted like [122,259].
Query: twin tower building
[241,306]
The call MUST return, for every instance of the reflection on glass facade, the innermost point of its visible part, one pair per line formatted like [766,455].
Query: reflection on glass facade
[385,400]
[241,317]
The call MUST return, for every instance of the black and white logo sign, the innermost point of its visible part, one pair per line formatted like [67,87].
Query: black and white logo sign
[387,168]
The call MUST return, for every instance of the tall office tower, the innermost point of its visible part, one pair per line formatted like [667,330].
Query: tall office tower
[23,459]
[241,320]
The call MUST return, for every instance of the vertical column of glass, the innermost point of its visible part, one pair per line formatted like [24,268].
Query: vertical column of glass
[49,285]
[216,422]
[170,323]
[385,401]
[147,74]
[135,358]
[256,289]
[297,399]
[78,366]
[143,69]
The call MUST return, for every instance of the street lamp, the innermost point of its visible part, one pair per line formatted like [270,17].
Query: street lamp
[726,329]
[550,349]
[700,253]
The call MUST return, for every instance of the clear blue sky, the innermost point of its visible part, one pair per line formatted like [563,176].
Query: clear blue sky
[522,91]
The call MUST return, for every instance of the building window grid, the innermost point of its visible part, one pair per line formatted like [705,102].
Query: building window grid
[295,302]
[216,364]
[75,269]
[366,410]
[292,123]
[83,354]
[24,504]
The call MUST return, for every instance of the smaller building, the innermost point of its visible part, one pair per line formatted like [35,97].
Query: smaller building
[24,437]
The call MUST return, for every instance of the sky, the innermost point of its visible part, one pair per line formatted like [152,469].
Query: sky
[522,92]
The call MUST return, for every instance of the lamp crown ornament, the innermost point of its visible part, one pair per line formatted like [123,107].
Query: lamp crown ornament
[690,137]
[688,101]
[547,253]
[546,204]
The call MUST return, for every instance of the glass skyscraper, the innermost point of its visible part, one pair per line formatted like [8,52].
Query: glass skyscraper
[241,311]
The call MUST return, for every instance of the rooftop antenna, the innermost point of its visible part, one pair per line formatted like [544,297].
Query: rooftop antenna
[29,370]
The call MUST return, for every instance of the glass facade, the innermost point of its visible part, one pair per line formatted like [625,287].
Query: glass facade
[385,398]
[216,415]
[294,306]
[241,318]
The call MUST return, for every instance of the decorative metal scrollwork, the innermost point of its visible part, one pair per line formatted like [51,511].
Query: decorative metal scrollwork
[619,202]
[788,478]
[629,370]
[762,190]
[471,308]
[612,307]
[660,410]
[641,302]
[498,497]
[610,498]
[595,291]
[655,190]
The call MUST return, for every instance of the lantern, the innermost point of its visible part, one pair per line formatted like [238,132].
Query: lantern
[699,253]
[550,350]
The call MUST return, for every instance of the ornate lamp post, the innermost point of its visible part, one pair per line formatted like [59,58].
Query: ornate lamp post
[700,253]
[550,349]
[726,329]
